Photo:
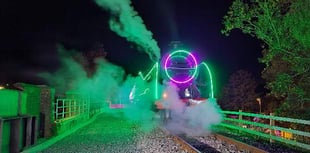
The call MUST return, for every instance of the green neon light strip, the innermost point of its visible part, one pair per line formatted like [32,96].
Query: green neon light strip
[147,75]
[179,56]
[156,81]
[211,79]
[155,66]
[302,133]
[294,143]
[307,122]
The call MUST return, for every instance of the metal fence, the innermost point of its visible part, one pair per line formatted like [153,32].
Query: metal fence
[271,127]
[69,108]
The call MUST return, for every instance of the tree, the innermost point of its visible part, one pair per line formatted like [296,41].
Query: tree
[284,28]
[240,93]
[88,58]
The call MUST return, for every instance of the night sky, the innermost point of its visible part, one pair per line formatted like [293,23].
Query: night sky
[30,31]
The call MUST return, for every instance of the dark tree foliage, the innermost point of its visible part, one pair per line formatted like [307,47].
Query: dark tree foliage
[89,58]
[240,92]
[284,28]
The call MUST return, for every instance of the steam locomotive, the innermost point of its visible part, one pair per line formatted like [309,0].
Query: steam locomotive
[192,79]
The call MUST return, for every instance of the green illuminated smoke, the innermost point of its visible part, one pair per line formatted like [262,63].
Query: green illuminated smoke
[140,108]
[71,76]
[107,84]
[126,22]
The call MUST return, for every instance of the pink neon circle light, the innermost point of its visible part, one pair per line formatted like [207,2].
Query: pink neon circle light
[192,76]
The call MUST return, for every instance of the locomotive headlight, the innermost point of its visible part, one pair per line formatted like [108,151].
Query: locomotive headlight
[165,95]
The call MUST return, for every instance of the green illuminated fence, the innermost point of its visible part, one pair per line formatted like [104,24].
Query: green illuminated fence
[17,132]
[69,108]
[271,127]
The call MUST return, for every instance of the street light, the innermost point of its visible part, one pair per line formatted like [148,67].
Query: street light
[260,104]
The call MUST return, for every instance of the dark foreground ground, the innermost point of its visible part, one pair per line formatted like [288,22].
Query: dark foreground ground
[113,134]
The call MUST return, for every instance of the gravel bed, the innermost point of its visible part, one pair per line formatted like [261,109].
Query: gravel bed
[219,145]
[210,144]
[202,147]
[113,134]
[261,143]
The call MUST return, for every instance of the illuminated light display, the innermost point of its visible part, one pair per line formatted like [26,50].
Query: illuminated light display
[165,95]
[149,73]
[191,61]
[147,76]
[156,81]
[211,80]
[192,58]
[132,93]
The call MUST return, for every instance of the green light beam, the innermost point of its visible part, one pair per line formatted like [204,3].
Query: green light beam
[147,75]
[155,66]
[156,81]
[211,79]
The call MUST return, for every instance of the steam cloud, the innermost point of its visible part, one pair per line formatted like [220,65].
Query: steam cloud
[107,84]
[192,121]
[139,107]
[72,76]
[126,23]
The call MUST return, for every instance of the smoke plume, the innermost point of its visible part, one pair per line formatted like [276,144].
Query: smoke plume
[126,22]
[190,120]
[108,85]
[72,76]
[138,96]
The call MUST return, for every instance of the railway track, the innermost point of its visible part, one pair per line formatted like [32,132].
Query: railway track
[220,143]
[111,134]
[116,135]
[213,143]
[184,145]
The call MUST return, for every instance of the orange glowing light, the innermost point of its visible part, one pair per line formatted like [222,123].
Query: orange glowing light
[165,95]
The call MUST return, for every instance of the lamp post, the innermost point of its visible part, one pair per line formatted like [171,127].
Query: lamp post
[259,100]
